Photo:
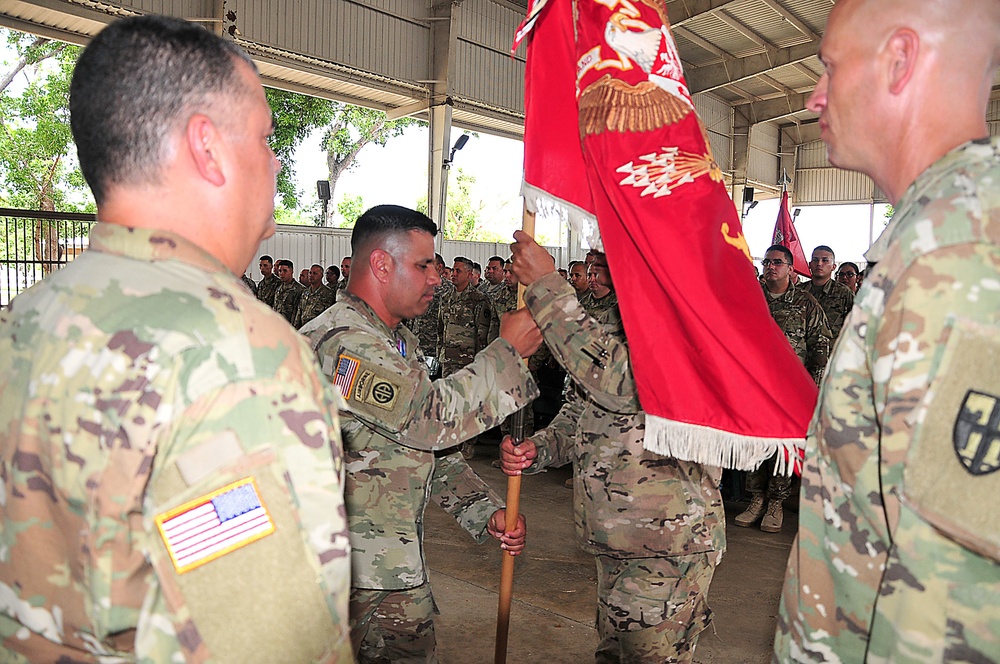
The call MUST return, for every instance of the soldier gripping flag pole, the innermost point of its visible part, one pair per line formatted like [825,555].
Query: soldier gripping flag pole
[614,146]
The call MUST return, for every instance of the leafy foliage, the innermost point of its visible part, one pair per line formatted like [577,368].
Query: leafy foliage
[37,157]
[295,117]
[464,220]
[350,208]
[346,131]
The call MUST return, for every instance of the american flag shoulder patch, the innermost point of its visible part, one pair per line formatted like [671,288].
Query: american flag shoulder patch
[209,527]
[347,372]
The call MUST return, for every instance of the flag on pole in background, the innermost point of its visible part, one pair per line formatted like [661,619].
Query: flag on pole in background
[786,236]
[613,144]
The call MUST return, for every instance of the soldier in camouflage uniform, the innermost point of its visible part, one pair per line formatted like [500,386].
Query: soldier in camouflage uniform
[897,557]
[803,322]
[578,279]
[463,327]
[315,300]
[600,295]
[345,271]
[248,282]
[463,321]
[143,385]
[286,298]
[425,326]
[268,285]
[494,277]
[402,430]
[835,298]
[654,524]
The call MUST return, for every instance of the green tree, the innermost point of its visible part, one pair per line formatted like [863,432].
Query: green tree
[350,208]
[464,217]
[346,130]
[353,128]
[38,164]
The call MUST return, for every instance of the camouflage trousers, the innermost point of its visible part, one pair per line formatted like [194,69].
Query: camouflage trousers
[652,610]
[393,626]
[764,481]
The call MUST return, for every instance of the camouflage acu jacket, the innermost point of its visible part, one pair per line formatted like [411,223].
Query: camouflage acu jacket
[803,323]
[595,307]
[897,556]
[313,302]
[139,383]
[286,299]
[266,288]
[425,326]
[463,328]
[836,300]
[398,424]
[503,301]
[251,286]
[628,502]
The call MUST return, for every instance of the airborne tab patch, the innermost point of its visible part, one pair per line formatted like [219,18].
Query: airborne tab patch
[976,435]
[209,527]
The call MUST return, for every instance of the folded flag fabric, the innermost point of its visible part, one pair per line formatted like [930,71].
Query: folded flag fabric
[614,146]
[786,235]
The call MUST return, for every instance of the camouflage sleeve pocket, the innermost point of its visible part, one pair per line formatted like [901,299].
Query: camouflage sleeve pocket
[951,475]
[234,567]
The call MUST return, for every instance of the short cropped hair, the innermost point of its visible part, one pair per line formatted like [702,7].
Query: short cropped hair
[783,249]
[823,247]
[267,258]
[476,267]
[854,265]
[382,221]
[137,82]
[573,264]
[495,258]
[287,263]
[467,262]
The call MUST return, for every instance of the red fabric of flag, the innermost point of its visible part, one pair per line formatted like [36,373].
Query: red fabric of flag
[611,133]
[786,235]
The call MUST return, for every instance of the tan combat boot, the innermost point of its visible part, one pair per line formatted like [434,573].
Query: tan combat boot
[752,513]
[772,520]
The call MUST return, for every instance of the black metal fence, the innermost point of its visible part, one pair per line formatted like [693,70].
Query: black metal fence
[34,244]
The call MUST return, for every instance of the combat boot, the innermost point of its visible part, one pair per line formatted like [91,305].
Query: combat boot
[772,520]
[752,513]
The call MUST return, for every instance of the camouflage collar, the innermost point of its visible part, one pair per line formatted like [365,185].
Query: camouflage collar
[942,168]
[151,245]
[367,312]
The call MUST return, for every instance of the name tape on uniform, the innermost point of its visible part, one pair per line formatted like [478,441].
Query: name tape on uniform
[209,527]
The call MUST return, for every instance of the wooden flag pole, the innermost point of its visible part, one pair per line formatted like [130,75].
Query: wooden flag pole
[513,509]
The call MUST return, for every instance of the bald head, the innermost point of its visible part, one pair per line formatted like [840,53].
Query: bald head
[906,81]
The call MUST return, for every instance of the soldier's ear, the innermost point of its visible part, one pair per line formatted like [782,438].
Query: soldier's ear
[382,264]
[204,144]
[903,49]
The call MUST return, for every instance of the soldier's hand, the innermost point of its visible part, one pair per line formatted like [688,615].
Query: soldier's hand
[531,261]
[518,327]
[512,542]
[515,458]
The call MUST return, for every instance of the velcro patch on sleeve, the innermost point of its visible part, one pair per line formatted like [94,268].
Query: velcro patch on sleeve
[951,473]
[376,390]
[347,372]
[210,526]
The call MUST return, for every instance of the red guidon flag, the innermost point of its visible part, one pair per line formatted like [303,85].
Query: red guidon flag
[786,236]
[614,146]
